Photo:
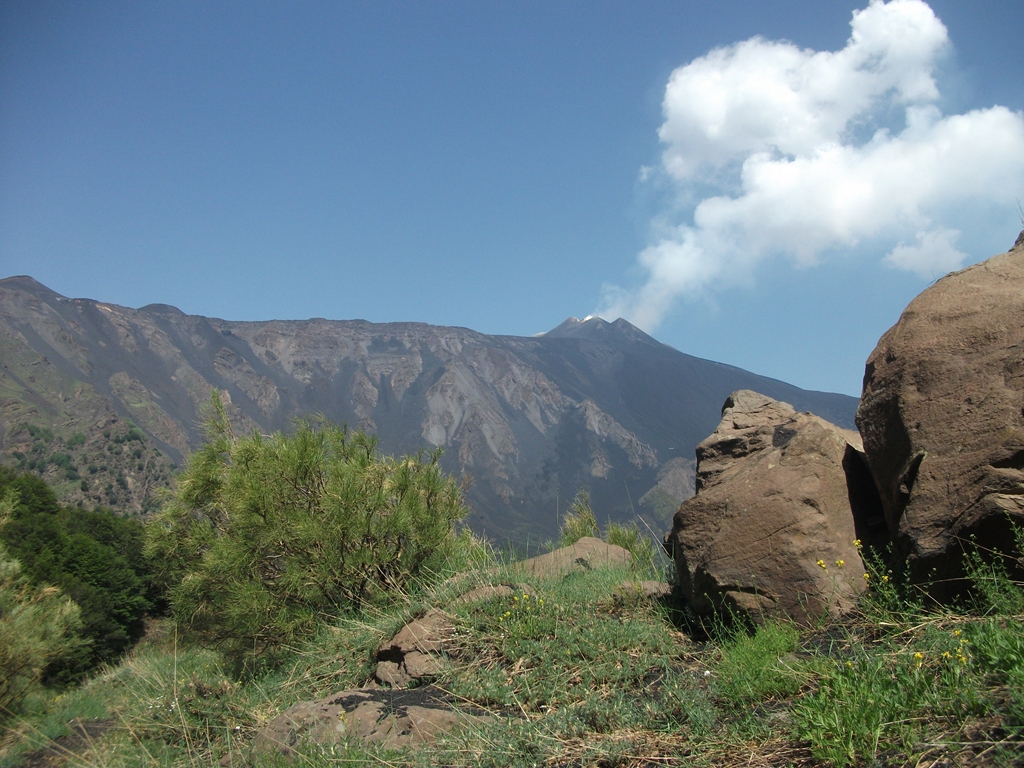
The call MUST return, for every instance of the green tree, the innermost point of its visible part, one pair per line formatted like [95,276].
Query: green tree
[93,556]
[38,626]
[266,536]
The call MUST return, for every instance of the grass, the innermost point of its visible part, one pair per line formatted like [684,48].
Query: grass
[574,677]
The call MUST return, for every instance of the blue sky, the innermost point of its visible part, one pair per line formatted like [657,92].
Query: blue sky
[771,203]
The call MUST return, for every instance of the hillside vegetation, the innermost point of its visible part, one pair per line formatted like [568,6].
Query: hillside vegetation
[111,463]
[573,677]
[90,557]
[571,670]
[288,560]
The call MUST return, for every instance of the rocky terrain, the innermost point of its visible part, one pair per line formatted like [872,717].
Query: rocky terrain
[530,421]
[782,497]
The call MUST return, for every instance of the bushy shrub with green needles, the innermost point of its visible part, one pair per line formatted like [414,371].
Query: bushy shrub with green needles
[266,537]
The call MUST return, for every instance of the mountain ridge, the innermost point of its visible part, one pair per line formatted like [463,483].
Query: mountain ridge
[593,405]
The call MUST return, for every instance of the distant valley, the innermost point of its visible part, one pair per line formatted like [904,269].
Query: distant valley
[105,401]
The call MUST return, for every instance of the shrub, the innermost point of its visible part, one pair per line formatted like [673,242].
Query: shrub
[38,625]
[265,536]
[630,538]
[93,556]
[580,521]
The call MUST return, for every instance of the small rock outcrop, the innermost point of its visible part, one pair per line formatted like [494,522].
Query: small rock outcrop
[942,415]
[408,712]
[648,591]
[393,718]
[771,530]
[584,555]
[411,657]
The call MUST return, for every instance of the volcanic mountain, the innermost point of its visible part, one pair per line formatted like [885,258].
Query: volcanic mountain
[103,401]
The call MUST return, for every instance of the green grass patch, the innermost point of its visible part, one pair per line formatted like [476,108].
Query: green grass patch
[573,676]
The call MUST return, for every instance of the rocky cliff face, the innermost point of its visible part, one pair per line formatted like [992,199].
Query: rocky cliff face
[591,404]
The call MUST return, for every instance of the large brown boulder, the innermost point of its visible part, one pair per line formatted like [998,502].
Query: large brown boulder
[942,420]
[771,530]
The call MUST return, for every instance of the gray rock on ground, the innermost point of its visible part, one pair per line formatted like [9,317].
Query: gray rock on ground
[586,554]
[942,415]
[772,501]
[392,718]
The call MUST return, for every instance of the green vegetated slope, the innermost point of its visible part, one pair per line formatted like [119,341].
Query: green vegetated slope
[91,557]
[574,677]
[573,670]
[62,430]
[286,560]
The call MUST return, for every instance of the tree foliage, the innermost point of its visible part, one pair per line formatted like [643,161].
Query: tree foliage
[265,536]
[38,625]
[94,557]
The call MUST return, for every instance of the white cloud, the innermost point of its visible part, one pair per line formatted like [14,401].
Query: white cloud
[934,255]
[793,141]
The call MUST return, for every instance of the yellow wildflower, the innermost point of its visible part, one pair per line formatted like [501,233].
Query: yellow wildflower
[821,564]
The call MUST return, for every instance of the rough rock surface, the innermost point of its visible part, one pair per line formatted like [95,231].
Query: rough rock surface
[486,592]
[409,713]
[401,718]
[585,555]
[772,501]
[942,419]
[411,656]
[641,591]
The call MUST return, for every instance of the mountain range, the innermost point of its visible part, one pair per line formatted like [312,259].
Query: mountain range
[105,401]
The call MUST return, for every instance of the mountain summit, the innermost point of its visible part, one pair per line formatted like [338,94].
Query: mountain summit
[595,328]
[590,405]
